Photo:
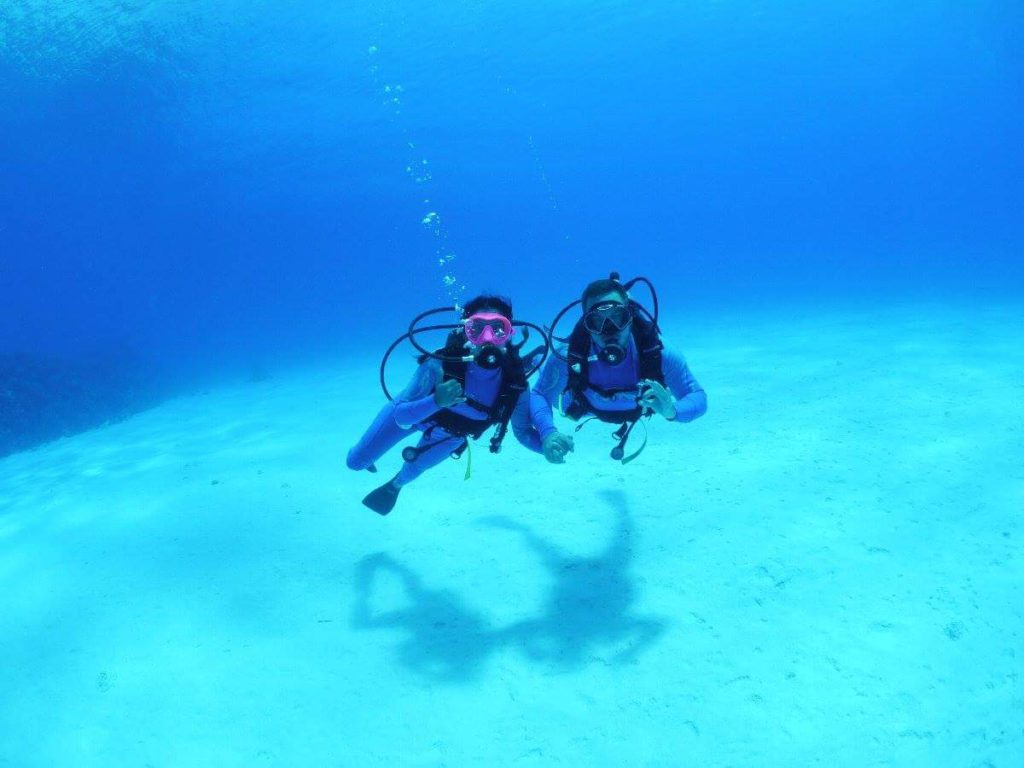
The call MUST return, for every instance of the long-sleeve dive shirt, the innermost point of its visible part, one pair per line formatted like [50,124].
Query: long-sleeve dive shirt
[416,405]
[691,402]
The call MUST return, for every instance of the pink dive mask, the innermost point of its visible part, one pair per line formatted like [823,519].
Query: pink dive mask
[488,328]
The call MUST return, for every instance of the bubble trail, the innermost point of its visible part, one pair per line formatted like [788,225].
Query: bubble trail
[417,169]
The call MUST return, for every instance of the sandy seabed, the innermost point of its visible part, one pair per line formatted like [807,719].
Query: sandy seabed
[824,570]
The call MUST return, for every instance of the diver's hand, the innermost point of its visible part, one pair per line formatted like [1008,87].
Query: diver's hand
[449,393]
[555,446]
[654,396]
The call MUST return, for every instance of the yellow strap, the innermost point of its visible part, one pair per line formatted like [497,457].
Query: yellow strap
[469,459]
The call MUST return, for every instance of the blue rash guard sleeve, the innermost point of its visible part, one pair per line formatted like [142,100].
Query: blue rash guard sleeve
[691,402]
[416,403]
[552,382]
[522,424]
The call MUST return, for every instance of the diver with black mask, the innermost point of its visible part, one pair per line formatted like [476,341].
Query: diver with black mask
[476,381]
[614,368]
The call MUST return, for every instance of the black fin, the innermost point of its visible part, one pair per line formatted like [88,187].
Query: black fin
[383,499]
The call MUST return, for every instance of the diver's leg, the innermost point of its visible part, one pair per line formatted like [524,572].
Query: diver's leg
[435,445]
[382,435]
[441,444]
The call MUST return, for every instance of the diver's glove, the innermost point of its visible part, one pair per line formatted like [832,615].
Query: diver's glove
[555,446]
[655,397]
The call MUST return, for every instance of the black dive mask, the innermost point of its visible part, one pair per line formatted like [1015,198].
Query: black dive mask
[608,319]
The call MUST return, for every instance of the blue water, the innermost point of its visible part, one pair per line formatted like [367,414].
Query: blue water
[210,182]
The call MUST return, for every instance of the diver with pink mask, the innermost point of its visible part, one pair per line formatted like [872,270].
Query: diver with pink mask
[478,380]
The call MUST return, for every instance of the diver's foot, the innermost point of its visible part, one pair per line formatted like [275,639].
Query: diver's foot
[383,499]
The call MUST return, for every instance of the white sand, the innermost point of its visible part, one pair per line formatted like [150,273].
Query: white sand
[825,570]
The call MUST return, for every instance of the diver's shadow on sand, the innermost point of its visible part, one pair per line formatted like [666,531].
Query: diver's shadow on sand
[445,640]
[587,616]
[588,613]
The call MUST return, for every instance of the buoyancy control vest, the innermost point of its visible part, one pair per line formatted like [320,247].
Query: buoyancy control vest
[649,348]
[513,384]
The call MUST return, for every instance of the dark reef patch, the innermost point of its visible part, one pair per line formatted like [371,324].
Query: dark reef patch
[42,399]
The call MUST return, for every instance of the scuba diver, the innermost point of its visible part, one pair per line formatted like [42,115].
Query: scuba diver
[476,381]
[615,368]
